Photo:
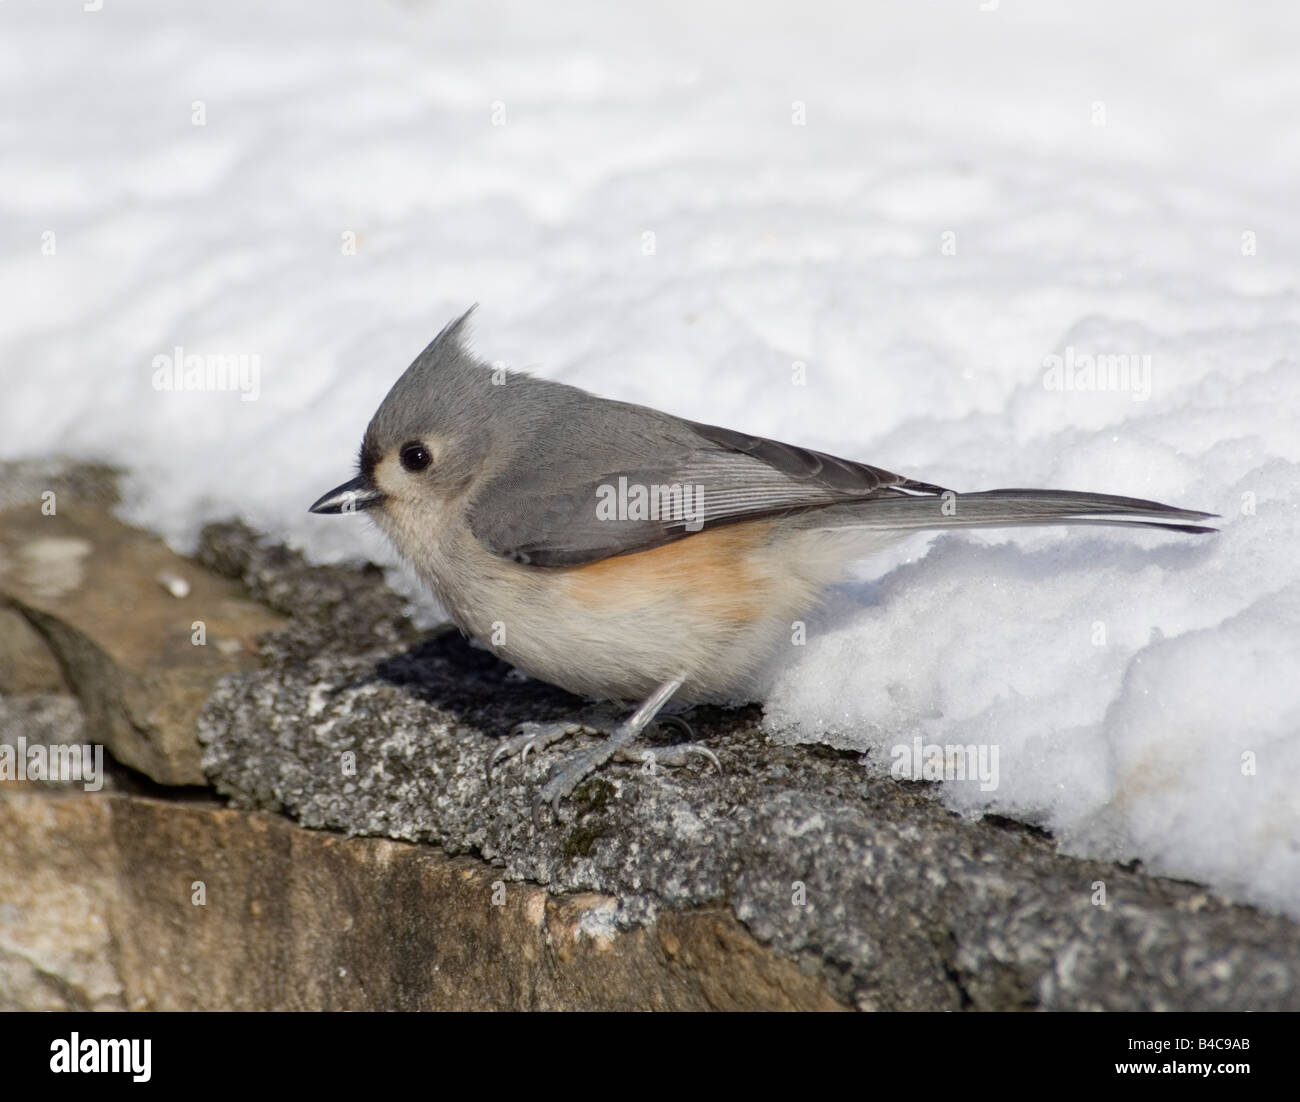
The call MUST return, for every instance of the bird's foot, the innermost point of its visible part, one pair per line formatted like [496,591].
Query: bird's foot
[527,737]
[577,767]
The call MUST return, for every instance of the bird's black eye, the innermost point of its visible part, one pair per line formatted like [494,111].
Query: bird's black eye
[415,457]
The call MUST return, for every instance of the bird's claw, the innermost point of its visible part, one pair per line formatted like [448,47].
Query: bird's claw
[675,756]
[578,766]
[529,736]
[571,772]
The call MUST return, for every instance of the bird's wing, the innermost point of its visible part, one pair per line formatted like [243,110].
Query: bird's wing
[663,480]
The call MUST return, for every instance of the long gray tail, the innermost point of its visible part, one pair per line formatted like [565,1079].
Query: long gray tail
[1012,508]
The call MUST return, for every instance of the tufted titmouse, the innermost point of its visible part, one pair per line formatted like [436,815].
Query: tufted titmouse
[629,555]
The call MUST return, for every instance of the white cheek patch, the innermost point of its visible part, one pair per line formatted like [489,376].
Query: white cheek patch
[388,476]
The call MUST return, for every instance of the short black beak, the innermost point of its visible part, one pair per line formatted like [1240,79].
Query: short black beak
[351,497]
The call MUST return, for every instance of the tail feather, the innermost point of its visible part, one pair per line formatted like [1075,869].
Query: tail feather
[1014,508]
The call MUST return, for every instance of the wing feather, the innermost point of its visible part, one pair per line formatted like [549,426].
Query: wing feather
[688,476]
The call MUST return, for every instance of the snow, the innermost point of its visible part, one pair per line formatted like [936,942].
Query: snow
[911,208]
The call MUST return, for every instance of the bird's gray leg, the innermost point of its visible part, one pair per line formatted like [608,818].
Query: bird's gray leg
[582,764]
[530,736]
